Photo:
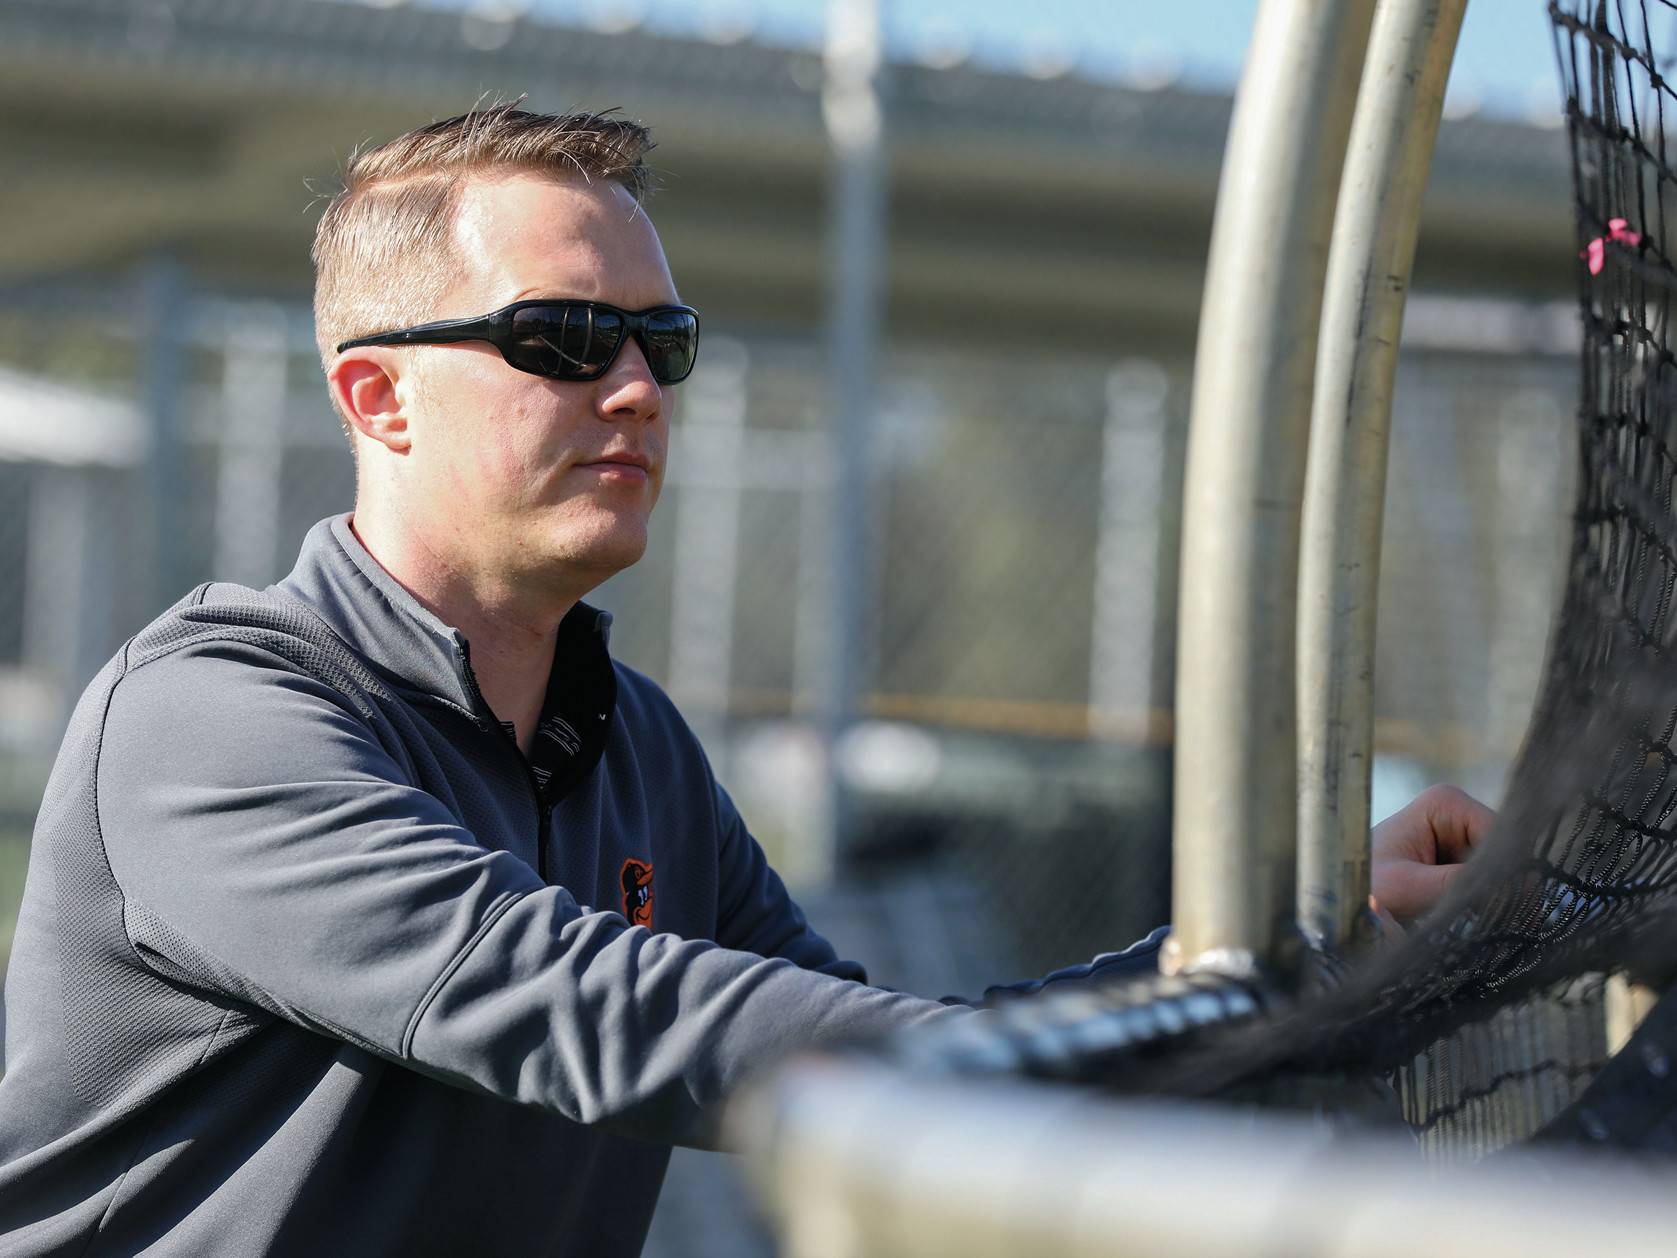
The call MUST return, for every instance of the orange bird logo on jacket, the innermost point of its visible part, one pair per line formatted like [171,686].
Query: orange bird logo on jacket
[637,892]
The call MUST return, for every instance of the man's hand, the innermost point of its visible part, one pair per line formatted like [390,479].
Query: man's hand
[1418,851]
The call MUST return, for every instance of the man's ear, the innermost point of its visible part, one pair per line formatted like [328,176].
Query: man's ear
[363,383]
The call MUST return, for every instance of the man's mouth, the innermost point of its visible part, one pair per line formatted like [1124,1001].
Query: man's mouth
[627,466]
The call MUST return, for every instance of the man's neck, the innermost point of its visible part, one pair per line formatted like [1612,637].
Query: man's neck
[512,644]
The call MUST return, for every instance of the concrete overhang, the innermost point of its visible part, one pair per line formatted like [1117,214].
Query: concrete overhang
[207,128]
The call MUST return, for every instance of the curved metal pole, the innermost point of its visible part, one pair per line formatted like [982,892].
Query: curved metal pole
[855,1162]
[1236,775]
[1392,139]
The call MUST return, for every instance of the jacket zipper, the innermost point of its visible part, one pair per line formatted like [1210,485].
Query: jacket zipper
[544,814]
[544,811]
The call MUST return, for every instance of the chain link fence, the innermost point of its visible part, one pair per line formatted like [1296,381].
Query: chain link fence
[1012,767]
[1013,755]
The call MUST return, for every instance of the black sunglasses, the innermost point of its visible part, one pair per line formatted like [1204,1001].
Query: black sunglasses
[567,340]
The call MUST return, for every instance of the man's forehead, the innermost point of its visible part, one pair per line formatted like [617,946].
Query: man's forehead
[531,235]
[501,194]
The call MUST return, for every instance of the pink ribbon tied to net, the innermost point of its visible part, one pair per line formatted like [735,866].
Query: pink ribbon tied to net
[1595,253]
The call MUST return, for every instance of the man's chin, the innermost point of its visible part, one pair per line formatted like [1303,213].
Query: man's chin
[599,556]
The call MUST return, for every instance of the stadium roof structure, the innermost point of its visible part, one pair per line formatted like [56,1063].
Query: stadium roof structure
[200,126]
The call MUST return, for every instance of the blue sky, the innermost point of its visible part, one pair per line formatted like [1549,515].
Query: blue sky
[1504,66]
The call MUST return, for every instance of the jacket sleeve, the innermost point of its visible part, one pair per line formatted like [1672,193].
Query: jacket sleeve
[255,819]
[756,913]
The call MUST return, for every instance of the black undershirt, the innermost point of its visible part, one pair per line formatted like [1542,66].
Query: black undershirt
[576,711]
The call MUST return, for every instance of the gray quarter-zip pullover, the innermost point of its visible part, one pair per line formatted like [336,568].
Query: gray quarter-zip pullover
[311,960]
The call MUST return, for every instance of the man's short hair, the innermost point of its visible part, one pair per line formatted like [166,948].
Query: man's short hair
[385,250]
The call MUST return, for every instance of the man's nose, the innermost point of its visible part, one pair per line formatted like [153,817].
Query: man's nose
[628,390]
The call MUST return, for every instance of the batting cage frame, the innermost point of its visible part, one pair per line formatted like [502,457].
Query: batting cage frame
[968,1138]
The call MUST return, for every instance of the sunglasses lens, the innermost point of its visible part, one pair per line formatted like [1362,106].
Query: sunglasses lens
[565,341]
[672,343]
[578,341]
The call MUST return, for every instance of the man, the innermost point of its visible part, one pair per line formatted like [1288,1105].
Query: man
[381,912]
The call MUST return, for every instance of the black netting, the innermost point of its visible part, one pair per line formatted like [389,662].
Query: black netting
[1488,1020]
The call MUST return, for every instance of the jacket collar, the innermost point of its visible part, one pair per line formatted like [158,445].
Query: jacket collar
[372,611]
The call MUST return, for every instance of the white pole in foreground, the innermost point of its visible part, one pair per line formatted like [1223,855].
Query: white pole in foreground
[1392,139]
[858,1161]
[1236,765]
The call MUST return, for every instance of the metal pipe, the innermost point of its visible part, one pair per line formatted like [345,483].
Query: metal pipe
[1236,804]
[842,569]
[165,306]
[255,366]
[856,1161]
[1128,537]
[712,448]
[1392,138]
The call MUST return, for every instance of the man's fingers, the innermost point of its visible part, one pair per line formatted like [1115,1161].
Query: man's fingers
[1418,850]
[1407,889]
[1458,821]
